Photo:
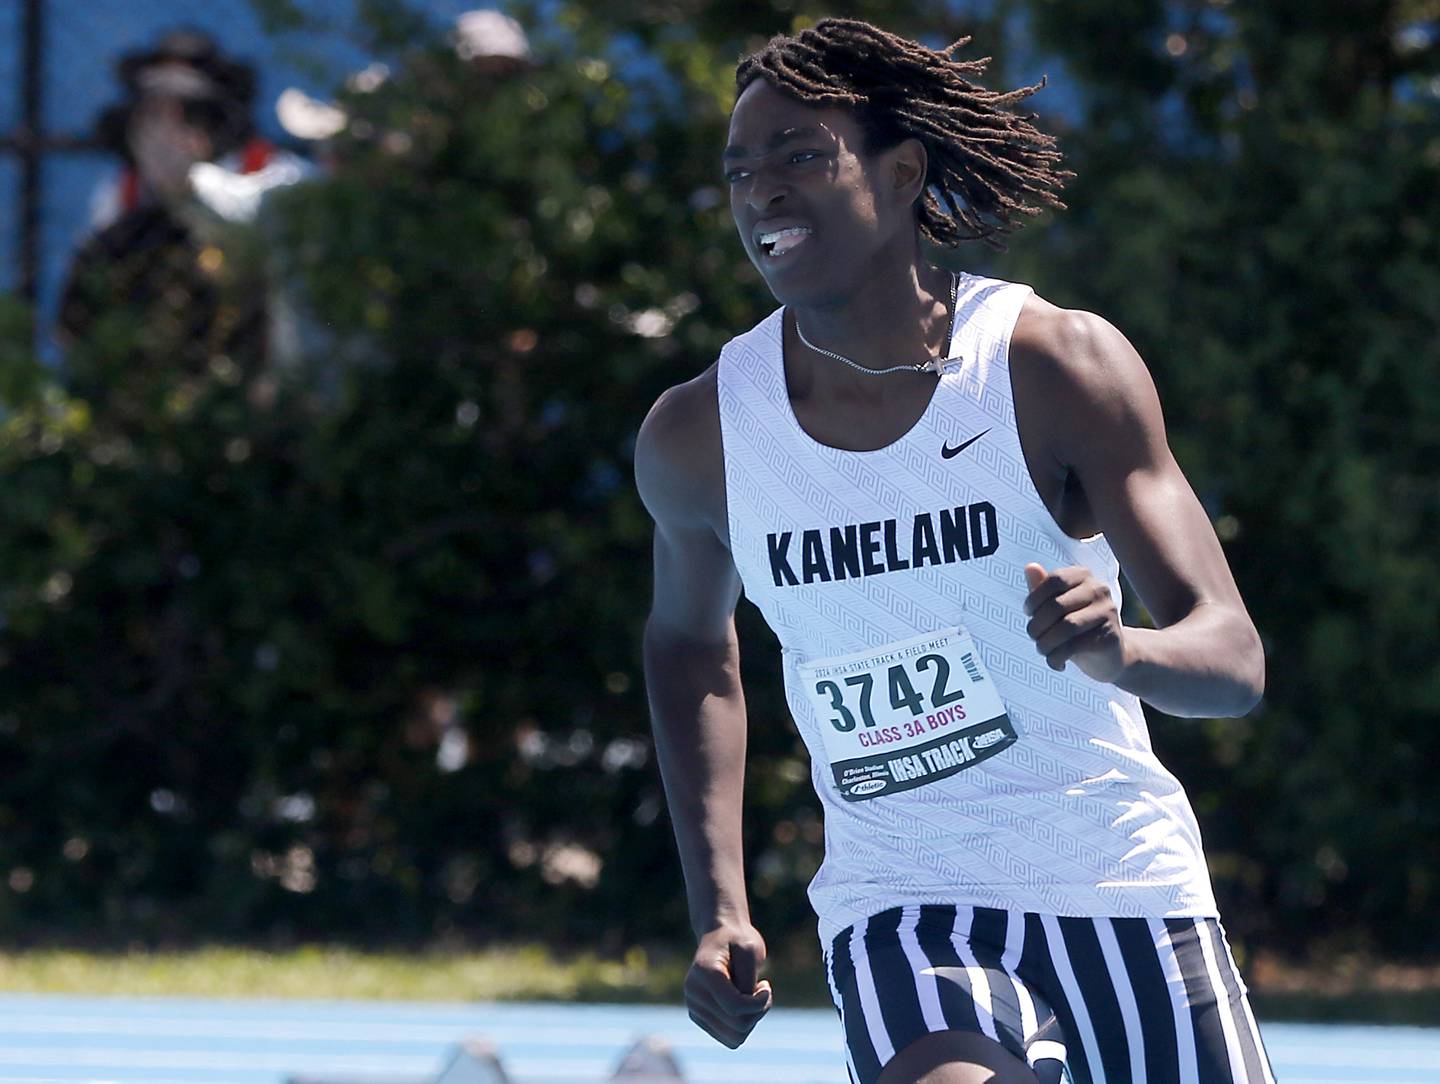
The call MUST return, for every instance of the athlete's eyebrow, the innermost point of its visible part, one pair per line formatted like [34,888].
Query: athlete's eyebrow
[783,136]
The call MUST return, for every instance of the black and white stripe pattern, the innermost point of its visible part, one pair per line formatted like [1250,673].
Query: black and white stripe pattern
[1115,1000]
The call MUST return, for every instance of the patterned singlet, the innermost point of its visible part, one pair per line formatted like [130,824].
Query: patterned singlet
[953,764]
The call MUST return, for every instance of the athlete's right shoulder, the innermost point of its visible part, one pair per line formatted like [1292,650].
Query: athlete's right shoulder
[679,460]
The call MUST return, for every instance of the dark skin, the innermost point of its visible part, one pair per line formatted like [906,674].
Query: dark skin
[1093,437]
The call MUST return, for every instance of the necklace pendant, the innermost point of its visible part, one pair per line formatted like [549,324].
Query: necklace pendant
[934,365]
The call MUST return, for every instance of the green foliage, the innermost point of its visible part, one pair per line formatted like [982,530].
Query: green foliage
[247,605]
[1267,235]
[349,648]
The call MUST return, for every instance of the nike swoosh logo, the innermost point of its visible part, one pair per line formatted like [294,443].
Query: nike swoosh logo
[950,453]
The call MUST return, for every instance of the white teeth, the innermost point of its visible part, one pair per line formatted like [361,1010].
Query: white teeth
[777,241]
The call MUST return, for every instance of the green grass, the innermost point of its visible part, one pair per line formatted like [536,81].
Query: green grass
[527,973]
[536,973]
[510,973]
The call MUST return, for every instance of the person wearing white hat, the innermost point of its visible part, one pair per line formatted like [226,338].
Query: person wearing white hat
[490,42]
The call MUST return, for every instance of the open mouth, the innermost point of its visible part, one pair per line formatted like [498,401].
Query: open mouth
[778,242]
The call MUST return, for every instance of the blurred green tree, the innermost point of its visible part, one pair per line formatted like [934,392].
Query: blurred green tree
[1258,207]
[349,647]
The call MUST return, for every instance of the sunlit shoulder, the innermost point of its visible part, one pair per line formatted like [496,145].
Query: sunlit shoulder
[1083,360]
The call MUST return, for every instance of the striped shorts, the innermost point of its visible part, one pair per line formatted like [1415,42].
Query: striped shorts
[1105,1000]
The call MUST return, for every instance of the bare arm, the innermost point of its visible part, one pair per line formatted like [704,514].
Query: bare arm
[1204,657]
[692,674]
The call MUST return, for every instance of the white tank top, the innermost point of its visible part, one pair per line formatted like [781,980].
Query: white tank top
[953,765]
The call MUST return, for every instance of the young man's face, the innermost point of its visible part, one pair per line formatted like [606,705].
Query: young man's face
[812,209]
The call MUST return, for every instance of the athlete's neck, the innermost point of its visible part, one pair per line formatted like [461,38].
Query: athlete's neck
[898,318]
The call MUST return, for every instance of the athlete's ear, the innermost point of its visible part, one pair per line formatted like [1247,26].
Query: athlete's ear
[908,165]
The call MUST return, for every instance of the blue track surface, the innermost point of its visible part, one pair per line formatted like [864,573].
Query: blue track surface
[61,1040]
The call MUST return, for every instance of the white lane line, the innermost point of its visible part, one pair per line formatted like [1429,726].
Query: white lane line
[1284,1070]
[6,1078]
[54,1057]
[498,1031]
[1374,1057]
[271,1029]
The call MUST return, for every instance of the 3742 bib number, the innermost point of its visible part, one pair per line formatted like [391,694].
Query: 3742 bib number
[906,714]
[902,691]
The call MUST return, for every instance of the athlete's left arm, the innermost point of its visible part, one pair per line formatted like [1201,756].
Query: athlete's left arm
[1204,657]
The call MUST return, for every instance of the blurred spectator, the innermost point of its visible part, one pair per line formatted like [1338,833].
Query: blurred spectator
[492,43]
[187,125]
[367,138]
[167,226]
[493,46]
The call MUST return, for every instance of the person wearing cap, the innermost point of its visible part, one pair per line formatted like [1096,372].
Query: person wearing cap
[167,227]
[491,42]
[185,130]
[493,46]
[344,133]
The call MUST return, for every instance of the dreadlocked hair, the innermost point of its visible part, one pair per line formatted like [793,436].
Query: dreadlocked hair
[987,165]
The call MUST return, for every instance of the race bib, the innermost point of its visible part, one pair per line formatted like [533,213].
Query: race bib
[906,714]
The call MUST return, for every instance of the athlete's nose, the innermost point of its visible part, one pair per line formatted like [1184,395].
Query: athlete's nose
[766,191]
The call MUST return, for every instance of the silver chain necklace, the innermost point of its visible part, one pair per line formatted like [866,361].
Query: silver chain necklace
[934,365]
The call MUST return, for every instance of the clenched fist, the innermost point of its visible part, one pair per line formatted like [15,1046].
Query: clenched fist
[723,990]
[1073,619]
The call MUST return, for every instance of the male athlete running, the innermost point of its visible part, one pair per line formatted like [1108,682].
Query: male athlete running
[924,481]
